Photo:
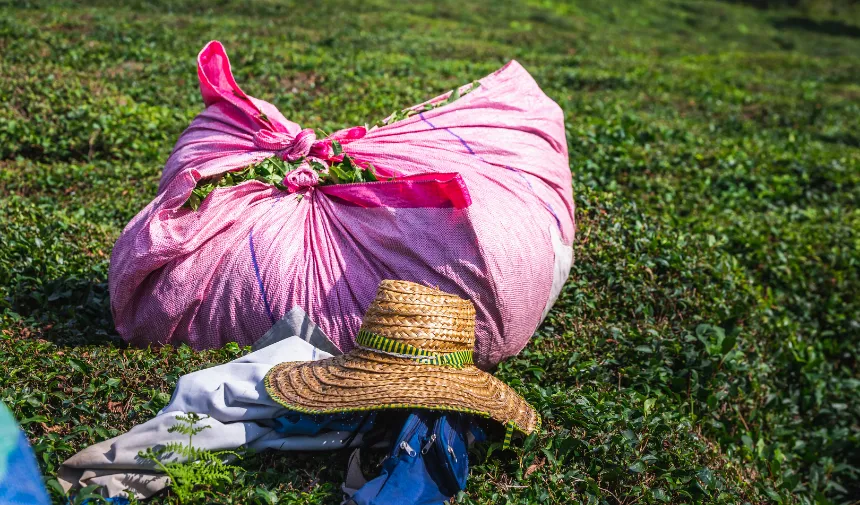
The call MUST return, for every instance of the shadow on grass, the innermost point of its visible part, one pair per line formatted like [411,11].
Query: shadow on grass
[825,27]
[840,138]
[69,312]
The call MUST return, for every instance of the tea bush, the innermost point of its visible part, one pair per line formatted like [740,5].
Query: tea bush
[705,348]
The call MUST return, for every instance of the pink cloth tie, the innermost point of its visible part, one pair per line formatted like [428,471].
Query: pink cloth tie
[289,147]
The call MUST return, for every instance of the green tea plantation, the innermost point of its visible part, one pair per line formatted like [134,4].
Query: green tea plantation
[706,348]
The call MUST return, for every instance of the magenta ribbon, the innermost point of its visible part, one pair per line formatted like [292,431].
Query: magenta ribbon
[433,190]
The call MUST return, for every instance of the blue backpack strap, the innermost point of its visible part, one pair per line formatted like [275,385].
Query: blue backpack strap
[297,423]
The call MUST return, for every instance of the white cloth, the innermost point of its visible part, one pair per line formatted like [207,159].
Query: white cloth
[241,414]
[561,268]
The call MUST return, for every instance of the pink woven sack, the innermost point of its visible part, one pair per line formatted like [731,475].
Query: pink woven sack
[480,205]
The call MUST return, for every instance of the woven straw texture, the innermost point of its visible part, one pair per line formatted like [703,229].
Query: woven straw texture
[411,318]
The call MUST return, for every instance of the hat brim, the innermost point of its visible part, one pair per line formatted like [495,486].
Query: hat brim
[367,380]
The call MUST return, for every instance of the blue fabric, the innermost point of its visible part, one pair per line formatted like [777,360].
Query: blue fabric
[116,500]
[308,424]
[428,464]
[20,478]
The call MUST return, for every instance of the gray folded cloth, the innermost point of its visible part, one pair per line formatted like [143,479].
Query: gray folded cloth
[297,323]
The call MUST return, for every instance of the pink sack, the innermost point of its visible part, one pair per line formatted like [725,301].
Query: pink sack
[480,205]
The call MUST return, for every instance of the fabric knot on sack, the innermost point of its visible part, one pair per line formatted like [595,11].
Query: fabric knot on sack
[290,147]
[301,178]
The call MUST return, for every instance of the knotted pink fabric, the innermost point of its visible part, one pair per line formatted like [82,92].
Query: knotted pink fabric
[301,178]
[293,147]
[480,205]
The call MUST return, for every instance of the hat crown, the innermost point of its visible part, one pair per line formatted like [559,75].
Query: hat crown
[422,317]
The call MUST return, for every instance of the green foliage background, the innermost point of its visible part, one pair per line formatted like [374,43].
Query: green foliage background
[705,348]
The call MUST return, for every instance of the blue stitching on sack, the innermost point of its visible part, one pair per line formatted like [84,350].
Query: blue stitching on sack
[421,115]
[532,189]
[472,152]
[259,278]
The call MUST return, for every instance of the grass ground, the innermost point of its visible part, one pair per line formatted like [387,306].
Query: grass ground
[705,348]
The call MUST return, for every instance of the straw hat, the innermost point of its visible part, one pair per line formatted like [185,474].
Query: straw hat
[413,350]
